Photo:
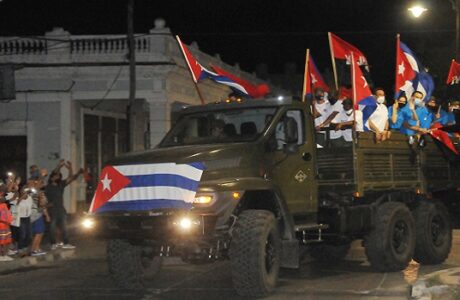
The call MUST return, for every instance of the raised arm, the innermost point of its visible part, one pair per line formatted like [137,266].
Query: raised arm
[71,177]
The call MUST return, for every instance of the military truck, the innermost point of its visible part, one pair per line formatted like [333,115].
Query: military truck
[267,191]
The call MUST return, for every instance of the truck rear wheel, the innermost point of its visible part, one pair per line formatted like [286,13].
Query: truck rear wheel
[433,233]
[390,244]
[128,264]
[255,253]
[330,252]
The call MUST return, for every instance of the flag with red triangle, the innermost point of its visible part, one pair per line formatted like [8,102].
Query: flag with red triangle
[146,186]
[313,78]
[454,73]
[362,95]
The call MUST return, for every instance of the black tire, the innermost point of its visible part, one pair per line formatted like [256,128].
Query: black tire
[330,252]
[128,265]
[389,246]
[255,253]
[433,233]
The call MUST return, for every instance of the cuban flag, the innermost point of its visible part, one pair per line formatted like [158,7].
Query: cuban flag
[237,84]
[410,73]
[146,187]
[362,95]
[312,77]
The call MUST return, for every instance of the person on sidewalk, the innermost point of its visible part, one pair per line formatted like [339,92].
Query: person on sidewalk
[5,220]
[38,217]
[54,192]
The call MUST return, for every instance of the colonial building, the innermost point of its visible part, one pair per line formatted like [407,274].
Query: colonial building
[72,96]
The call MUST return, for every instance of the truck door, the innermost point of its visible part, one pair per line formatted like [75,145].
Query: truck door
[290,155]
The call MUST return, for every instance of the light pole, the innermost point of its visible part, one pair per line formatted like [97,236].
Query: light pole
[417,10]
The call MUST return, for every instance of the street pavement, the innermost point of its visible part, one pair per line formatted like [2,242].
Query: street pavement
[82,274]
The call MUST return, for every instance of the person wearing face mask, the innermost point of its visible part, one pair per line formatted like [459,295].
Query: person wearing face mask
[321,110]
[344,123]
[378,120]
[394,112]
[440,115]
[416,119]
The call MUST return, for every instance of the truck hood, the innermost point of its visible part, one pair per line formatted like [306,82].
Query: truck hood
[220,160]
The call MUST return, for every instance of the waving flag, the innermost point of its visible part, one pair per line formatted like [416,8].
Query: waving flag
[422,81]
[341,59]
[312,77]
[239,85]
[147,186]
[197,70]
[454,73]
[362,95]
[343,50]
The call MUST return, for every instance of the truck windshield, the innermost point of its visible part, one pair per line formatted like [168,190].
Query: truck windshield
[225,126]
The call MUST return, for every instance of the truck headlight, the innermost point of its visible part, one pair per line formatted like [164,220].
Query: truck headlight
[88,223]
[203,199]
[186,223]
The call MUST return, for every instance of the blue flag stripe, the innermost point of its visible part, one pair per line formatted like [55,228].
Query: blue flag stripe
[139,205]
[163,180]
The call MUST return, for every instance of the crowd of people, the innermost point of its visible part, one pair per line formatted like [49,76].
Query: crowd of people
[335,121]
[25,208]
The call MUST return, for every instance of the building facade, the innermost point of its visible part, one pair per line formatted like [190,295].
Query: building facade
[72,95]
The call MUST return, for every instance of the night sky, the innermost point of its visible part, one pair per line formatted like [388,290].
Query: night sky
[252,32]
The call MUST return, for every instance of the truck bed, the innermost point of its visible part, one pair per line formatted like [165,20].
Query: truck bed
[391,165]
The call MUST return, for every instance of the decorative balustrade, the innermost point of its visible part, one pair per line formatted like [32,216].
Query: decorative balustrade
[75,45]
[18,46]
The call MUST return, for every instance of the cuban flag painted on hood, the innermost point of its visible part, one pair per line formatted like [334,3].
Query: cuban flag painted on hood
[410,73]
[362,95]
[146,187]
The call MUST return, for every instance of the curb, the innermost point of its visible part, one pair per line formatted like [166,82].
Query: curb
[33,261]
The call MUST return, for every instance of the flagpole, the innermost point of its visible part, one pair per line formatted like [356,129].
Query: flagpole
[396,69]
[195,80]
[334,68]
[353,95]
[305,74]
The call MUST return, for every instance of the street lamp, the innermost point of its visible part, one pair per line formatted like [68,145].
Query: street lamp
[417,10]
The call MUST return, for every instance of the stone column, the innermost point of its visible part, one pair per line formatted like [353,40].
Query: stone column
[159,118]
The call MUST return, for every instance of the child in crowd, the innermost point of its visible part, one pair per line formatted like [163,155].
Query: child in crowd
[5,221]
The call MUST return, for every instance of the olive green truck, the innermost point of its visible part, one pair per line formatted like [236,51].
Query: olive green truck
[268,195]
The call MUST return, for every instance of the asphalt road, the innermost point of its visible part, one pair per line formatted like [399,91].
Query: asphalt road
[85,276]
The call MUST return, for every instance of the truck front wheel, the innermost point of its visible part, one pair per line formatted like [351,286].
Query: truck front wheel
[433,233]
[255,253]
[390,244]
[128,264]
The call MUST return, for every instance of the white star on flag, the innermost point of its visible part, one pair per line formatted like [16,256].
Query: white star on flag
[455,80]
[401,68]
[313,79]
[106,183]
[365,82]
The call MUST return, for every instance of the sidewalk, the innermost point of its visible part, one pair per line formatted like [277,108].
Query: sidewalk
[51,256]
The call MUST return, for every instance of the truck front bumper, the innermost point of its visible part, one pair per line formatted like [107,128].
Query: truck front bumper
[159,228]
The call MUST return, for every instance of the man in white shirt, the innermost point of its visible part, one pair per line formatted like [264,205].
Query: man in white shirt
[378,120]
[344,122]
[322,108]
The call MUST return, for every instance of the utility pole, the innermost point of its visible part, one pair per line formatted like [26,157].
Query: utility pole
[456,8]
[132,76]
